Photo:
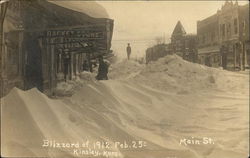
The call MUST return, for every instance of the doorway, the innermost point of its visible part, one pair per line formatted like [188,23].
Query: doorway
[33,62]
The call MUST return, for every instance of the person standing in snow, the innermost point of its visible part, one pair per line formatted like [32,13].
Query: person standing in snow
[128,50]
[85,66]
[102,69]
[66,63]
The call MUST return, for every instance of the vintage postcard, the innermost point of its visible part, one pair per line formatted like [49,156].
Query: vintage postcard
[124,79]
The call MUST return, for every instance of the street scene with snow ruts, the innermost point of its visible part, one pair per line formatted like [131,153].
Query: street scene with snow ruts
[124,79]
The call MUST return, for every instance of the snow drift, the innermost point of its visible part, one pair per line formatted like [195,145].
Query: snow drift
[160,103]
[173,73]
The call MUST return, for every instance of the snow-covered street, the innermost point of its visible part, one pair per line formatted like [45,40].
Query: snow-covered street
[179,109]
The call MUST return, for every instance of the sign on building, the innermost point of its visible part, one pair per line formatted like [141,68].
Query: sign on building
[79,38]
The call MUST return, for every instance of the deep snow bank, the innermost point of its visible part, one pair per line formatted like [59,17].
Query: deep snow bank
[70,86]
[109,111]
[172,73]
[152,103]
[31,117]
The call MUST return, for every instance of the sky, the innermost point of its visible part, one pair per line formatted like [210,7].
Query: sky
[140,22]
[150,18]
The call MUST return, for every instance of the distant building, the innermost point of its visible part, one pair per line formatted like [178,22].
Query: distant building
[183,44]
[177,39]
[190,50]
[156,52]
[223,38]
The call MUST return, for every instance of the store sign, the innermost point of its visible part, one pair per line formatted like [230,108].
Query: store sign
[82,37]
[78,34]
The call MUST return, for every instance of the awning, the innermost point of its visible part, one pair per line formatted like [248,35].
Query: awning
[46,14]
[211,49]
[90,8]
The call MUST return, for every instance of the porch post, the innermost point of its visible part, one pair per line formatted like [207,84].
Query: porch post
[241,56]
[234,52]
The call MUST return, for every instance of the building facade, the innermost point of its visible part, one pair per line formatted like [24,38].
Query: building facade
[43,42]
[177,37]
[157,51]
[208,41]
[184,44]
[223,38]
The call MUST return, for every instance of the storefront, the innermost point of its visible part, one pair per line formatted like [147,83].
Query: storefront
[35,47]
[210,56]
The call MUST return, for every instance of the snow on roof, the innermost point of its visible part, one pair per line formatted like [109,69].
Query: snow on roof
[90,8]
[2,1]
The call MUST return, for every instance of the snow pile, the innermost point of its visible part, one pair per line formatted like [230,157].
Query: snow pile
[125,69]
[65,89]
[32,117]
[131,108]
[70,86]
[87,76]
[171,73]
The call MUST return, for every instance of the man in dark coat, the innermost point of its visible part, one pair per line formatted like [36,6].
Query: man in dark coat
[128,51]
[102,70]
[85,66]
[66,63]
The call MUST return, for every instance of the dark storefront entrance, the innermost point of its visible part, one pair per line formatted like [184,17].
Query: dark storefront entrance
[33,63]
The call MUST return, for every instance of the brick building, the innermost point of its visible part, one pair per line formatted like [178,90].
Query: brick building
[208,41]
[183,44]
[157,51]
[223,38]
